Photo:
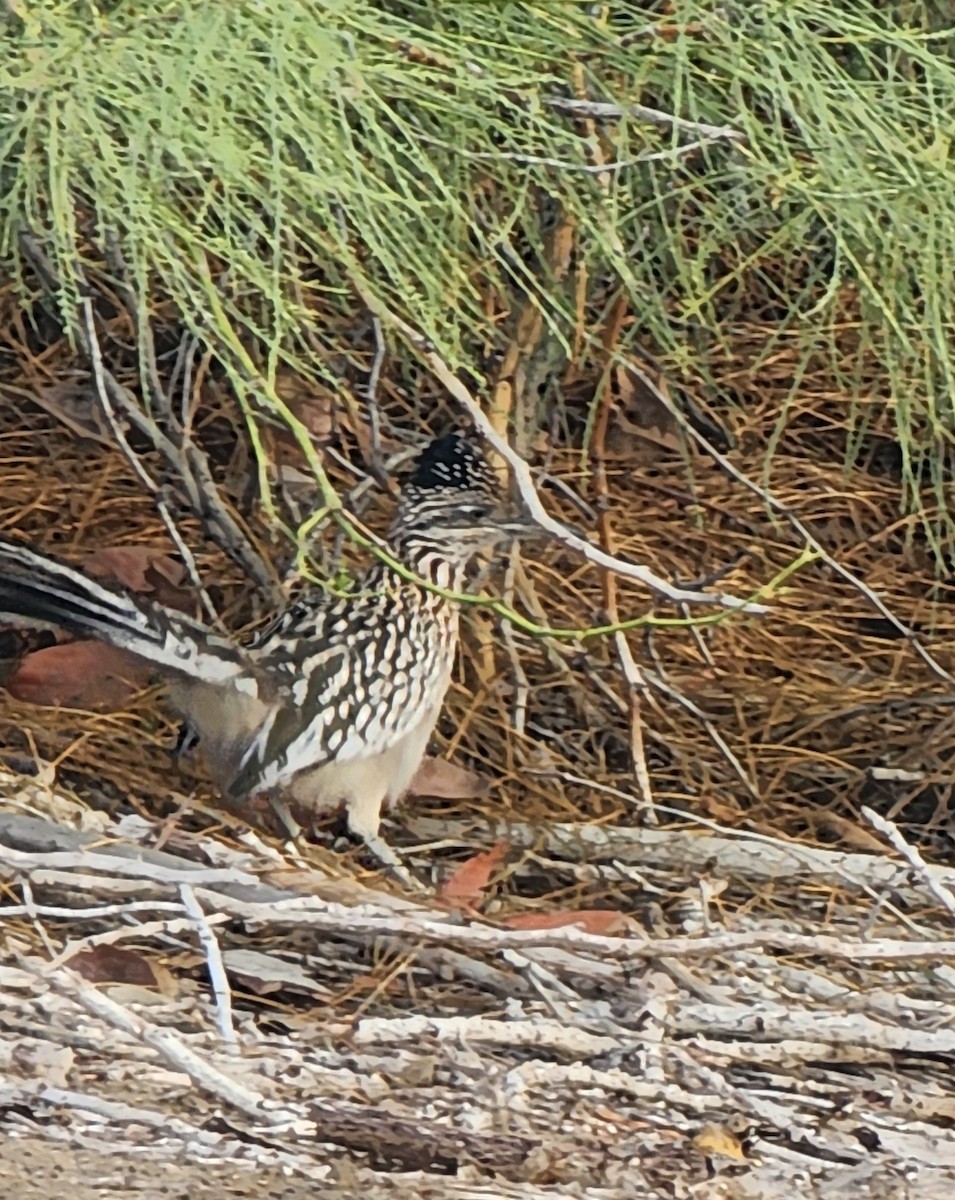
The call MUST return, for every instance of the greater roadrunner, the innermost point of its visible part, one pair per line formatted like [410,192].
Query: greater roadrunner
[334,703]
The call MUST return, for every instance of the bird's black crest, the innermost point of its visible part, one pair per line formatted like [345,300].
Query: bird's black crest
[448,462]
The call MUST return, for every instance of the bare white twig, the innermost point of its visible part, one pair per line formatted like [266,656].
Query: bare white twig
[110,864]
[34,916]
[111,1110]
[189,463]
[521,683]
[671,154]
[190,562]
[528,493]
[601,110]
[90,914]
[657,680]
[731,854]
[551,990]
[172,1049]
[777,506]
[893,834]
[371,390]
[574,1077]
[539,1033]
[109,937]
[216,967]
[637,687]
[525,481]
[102,392]
[769,1022]
[430,927]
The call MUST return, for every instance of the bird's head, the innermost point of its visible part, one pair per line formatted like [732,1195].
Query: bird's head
[453,504]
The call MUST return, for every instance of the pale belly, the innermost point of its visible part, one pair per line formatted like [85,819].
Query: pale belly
[226,723]
[377,779]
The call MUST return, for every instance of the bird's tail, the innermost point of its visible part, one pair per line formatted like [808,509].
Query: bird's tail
[41,590]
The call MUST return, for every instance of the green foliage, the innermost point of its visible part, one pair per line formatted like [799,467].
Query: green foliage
[287,149]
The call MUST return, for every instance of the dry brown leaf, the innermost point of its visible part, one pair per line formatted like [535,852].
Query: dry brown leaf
[317,415]
[115,964]
[467,884]
[16,644]
[141,569]
[602,921]
[850,834]
[79,675]
[443,780]
[76,406]
[727,812]
[313,405]
[639,416]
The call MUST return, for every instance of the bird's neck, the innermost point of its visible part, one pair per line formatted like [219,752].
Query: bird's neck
[424,559]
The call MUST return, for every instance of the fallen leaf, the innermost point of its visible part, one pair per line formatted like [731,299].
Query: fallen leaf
[76,406]
[443,780]
[79,675]
[312,404]
[466,885]
[849,834]
[16,644]
[114,964]
[639,415]
[142,569]
[601,921]
[727,812]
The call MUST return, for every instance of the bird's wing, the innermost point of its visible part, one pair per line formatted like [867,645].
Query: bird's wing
[330,710]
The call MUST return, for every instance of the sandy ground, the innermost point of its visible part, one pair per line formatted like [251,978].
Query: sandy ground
[33,1168]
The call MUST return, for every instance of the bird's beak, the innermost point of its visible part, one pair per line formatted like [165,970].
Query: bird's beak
[521,529]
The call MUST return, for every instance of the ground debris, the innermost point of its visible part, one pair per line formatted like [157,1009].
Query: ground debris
[593,1075]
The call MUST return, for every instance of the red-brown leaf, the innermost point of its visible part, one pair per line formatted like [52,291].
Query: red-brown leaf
[314,405]
[467,884]
[142,569]
[78,675]
[114,964]
[602,921]
[443,780]
[130,566]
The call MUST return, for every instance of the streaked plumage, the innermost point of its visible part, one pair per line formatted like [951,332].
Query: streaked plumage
[335,701]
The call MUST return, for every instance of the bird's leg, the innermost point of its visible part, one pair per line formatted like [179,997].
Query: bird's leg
[364,818]
[288,822]
[390,858]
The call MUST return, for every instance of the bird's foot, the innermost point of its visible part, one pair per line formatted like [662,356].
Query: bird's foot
[370,838]
[186,741]
[390,858]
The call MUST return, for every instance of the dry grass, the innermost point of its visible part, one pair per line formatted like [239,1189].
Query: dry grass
[808,700]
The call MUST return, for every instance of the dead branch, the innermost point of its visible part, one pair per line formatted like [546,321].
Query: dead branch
[525,482]
[189,466]
[602,110]
[807,538]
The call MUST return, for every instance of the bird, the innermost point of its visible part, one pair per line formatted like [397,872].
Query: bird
[334,702]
